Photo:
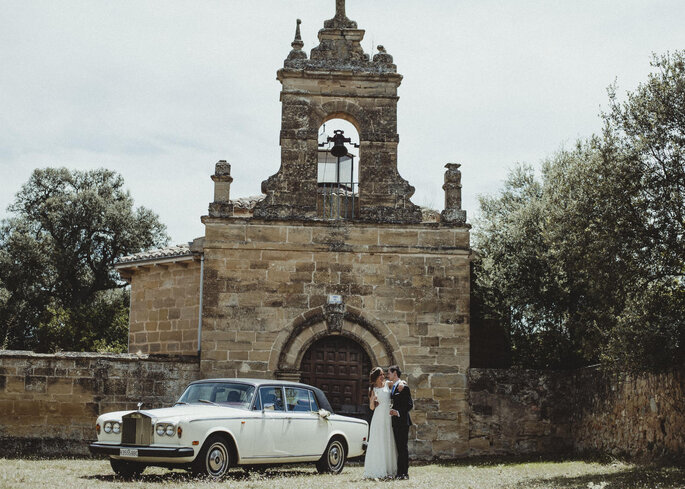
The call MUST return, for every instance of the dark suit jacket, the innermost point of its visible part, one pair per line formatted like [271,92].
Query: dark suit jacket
[402,403]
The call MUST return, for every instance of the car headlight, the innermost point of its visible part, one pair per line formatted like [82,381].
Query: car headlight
[108,427]
[116,428]
[167,429]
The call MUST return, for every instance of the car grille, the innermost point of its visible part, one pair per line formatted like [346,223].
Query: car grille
[136,429]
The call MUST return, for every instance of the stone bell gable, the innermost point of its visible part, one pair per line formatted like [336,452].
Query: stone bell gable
[339,80]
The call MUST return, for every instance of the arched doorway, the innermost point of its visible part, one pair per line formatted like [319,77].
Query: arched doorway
[339,366]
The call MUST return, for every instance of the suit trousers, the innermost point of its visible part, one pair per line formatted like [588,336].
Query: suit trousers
[401,432]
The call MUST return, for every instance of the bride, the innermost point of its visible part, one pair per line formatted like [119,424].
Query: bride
[381,453]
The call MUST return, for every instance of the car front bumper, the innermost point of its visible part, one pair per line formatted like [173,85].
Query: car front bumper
[143,451]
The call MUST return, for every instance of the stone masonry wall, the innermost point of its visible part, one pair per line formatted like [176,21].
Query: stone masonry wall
[514,411]
[49,403]
[165,301]
[406,301]
[636,416]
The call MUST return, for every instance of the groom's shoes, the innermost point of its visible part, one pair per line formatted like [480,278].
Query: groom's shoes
[402,477]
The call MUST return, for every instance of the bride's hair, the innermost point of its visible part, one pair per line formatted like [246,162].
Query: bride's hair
[373,376]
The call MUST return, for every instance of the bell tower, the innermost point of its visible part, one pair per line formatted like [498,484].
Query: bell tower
[338,80]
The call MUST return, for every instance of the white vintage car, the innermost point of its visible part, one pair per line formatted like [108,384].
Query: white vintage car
[220,423]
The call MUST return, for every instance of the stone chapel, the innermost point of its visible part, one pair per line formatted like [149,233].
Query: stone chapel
[320,281]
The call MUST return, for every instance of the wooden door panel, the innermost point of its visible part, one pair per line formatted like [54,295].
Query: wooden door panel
[338,366]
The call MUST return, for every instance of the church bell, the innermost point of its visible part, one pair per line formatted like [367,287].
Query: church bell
[339,150]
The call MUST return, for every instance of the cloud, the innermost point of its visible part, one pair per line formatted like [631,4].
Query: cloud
[160,91]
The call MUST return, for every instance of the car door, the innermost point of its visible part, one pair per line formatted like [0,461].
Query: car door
[269,442]
[305,432]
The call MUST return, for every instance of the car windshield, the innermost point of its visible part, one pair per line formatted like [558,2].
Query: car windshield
[222,393]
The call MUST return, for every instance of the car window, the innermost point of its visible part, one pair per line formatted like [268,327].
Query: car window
[223,393]
[298,400]
[232,395]
[312,400]
[272,398]
[196,392]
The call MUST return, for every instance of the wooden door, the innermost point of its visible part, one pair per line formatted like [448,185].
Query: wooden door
[340,367]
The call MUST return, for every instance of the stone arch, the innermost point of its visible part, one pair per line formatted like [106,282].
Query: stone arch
[374,336]
[340,109]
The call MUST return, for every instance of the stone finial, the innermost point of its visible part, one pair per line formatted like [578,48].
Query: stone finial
[297,45]
[453,212]
[222,169]
[382,57]
[222,206]
[340,21]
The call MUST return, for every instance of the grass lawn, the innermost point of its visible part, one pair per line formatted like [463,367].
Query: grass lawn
[89,473]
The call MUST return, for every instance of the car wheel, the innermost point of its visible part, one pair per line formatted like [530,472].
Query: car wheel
[125,468]
[333,459]
[214,459]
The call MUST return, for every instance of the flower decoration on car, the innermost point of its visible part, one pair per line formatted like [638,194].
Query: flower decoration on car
[324,414]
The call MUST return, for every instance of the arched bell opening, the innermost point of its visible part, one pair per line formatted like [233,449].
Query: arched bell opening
[338,168]
[339,366]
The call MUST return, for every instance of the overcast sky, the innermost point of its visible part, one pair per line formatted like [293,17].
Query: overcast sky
[161,90]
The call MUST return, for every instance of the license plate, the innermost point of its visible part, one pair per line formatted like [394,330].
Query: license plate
[128,452]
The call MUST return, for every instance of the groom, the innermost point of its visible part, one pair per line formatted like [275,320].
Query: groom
[401,421]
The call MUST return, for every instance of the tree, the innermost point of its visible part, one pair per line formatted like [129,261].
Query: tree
[56,259]
[586,264]
[644,138]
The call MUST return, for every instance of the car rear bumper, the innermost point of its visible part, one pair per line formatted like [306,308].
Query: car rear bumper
[146,451]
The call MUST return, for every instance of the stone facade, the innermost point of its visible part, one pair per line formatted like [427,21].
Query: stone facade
[49,403]
[405,294]
[165,305]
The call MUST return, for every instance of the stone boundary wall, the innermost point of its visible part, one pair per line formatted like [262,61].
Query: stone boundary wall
[515,411]
[641,417]
[49,403]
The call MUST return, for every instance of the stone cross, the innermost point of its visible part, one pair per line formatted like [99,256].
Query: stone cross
[340,9]
[340,21]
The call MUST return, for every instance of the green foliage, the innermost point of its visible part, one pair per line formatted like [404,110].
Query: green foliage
[56,260]
[586,264]
[101,325]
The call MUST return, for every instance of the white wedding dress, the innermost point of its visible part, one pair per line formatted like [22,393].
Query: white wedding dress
[381,454]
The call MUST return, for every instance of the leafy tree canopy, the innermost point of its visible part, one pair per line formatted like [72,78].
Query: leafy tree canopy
[57,250]
[586,263]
